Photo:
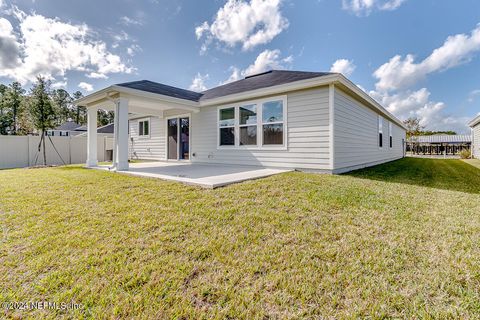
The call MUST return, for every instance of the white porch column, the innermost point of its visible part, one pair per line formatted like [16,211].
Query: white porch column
[92,137]
[122,134]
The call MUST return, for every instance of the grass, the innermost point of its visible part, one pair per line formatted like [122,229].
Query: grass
[387,242]
[435,173]
[473,162]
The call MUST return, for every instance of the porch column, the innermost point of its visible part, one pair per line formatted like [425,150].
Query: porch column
[122,134]
[92,137]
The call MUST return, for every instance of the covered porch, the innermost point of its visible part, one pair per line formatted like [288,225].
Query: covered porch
[126,104]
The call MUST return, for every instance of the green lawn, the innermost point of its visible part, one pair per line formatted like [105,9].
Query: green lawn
[401,240]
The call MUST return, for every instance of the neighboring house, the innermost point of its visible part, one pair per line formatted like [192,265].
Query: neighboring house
[66,129]
[439,144]
[309,121]
[475,126]
[106,131]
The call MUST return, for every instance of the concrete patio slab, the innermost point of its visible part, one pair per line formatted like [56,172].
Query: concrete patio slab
[205,175]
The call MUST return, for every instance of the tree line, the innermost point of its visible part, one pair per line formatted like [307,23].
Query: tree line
[41,108]
[414,128]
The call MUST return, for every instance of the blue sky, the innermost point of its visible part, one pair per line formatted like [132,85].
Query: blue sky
[417,57]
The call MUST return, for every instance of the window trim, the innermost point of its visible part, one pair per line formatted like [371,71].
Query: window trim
[144,136]
[259,108]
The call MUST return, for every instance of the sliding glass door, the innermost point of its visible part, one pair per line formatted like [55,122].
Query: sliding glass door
[178,138]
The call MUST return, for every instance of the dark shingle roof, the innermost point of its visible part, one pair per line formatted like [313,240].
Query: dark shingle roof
[68,126]
[104,129]
[258,81]
[154,87]
[262,80]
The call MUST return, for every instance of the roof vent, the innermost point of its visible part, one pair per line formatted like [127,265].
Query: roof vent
[258,74]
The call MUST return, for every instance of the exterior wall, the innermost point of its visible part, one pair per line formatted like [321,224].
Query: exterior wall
[152,147]
[476,141]
[307,136]
[356,136]
[355,142]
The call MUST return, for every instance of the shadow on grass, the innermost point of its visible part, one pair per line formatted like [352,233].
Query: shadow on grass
[453,175]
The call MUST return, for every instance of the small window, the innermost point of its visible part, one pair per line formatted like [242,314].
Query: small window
[390,134]
[144,128]
[380,131]
[272,123]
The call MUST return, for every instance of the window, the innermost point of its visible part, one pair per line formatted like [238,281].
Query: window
[254,124]
[227,126]
[248,125]
[390,134]
[380,131]
[272,123]
[144,128]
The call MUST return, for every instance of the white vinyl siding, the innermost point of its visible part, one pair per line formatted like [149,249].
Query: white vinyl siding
[147,147]
[476,141]
[356,135]
[307,136]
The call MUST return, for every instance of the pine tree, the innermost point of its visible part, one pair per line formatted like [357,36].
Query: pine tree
[42,110]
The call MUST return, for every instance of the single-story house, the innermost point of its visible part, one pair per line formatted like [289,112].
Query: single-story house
[106,130]
[312,121]
[475,126]
[71,129]
[66,129]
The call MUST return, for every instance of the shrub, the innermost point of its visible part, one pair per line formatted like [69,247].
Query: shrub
[465,154]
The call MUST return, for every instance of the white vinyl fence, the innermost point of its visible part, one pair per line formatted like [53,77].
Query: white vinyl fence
[22,151]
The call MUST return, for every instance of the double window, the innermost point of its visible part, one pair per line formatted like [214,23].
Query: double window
[144,128]
[253,124]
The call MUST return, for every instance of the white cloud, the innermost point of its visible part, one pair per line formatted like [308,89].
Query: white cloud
[473,94]
[1,3]
[95,75]
[127,21]
[344,66]
[50,47]
[365,7]
[417,104]
[266,60]
[133,49]
[198,83]
[9,47]
[85,86]
[60,84]
[399,73]
[246,23]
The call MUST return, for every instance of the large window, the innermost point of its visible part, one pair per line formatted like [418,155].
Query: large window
[227,126]
[380,131]
[144,128]
[272,123]
[253,124]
